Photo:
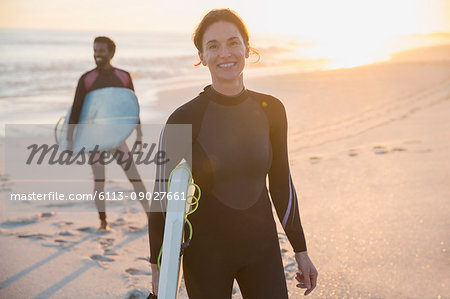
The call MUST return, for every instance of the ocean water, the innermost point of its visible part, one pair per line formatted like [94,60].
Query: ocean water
[39,69]
[48,62]
[39,63]
[43,62]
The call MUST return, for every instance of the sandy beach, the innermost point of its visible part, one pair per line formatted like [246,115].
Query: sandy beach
[369,150]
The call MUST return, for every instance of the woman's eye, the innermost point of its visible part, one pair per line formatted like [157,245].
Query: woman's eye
[213,47]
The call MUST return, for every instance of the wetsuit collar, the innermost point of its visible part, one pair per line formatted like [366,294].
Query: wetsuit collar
[223,99]
[103,71]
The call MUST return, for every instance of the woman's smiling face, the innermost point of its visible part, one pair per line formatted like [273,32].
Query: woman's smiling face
[224,51]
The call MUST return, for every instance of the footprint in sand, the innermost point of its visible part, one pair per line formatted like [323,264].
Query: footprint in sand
[118,222]
[61,204]
[136,294]
[93,230]
[65,233]
[19,222]
[26,221]
[101,258]
[380,150]
[353,152]
[135,229]
[106,244]
[87,229]
[134,210]
[134,271]
[109,252]
[314,159]
[46,214]
[59,243]
[143,258]
[36,236]
[62,224]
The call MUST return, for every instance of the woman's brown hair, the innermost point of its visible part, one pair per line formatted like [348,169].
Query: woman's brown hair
[214,16]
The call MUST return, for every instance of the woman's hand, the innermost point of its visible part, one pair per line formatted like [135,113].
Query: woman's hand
[155,278]
[308,276]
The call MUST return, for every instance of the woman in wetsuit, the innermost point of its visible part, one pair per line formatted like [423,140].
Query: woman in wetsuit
[238,138]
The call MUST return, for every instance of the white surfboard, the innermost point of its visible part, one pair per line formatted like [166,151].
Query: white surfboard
[170,272]
[108,116]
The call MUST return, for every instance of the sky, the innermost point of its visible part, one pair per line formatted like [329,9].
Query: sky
[364,27]
[302,17]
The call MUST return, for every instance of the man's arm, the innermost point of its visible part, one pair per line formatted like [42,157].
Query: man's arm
[77,105]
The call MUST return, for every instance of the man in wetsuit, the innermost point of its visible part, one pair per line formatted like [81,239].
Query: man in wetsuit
[105,75]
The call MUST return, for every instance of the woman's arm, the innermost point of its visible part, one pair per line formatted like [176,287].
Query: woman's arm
[281,186]
[284,198]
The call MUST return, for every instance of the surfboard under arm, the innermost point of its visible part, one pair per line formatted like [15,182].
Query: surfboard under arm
[109,115]
[170,274]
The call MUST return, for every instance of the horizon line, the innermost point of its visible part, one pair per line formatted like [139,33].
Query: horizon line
[430,33]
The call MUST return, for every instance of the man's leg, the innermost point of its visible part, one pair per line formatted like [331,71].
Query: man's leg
[133,176]
[99,186]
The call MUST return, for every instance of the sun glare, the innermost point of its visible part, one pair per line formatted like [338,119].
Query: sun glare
[348,51]
[355,32]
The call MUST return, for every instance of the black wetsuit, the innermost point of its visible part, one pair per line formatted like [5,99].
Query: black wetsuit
[92,80]
[96,79]
[236,142]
